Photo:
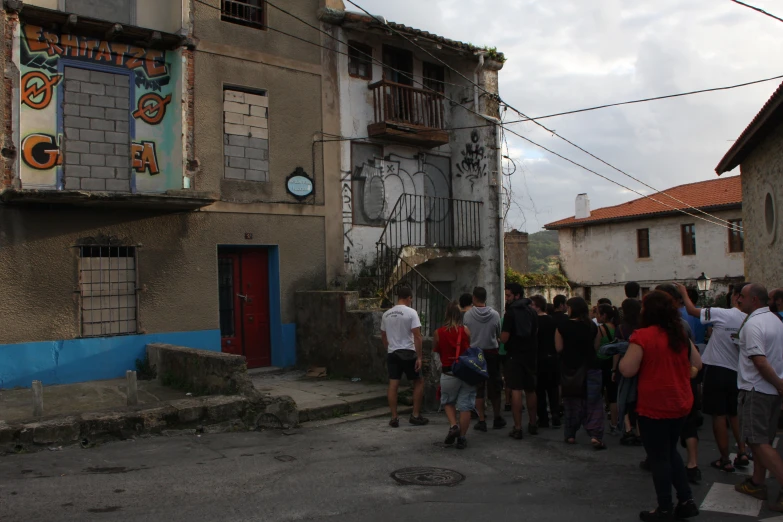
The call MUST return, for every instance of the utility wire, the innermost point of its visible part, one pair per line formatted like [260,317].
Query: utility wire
[758,9]
[540,124]
[491,123]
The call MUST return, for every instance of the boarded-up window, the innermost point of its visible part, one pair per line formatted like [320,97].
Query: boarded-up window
[736,236]
[689,240]
[359,60]
[367,196]
[643,242]
[107,283]
[119,11]
[246,135]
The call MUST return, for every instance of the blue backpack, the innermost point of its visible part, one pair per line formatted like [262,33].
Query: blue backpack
[471,367]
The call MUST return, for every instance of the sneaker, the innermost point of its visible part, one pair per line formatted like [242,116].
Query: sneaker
[694,475]
[532,429]
[656,515]
[452,436]
[481,426]
[777,506]
[748,487]
[686,509]
[556,422]
[418,421]
[394,423]
[462,443]
[499,423]
[516,434]
[614,430]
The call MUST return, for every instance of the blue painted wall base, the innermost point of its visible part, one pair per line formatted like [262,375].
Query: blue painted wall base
[81,360]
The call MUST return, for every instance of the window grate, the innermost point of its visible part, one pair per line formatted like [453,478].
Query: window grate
[107,287]
[245,12]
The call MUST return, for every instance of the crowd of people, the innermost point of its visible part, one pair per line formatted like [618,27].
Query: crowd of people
[645,366]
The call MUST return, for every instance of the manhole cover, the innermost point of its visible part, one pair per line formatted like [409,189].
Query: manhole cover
[428,476]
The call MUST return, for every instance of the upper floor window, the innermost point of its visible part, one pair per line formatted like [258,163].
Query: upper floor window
[688,240]
[434,77]
[643,242]
[736,236]
[251,13]
[359,60]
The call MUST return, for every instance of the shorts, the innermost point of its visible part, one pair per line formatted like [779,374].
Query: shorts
[758,416]
[495,381]
[720,393]
[522,372]
[399,366]
[457,392]
[609,386]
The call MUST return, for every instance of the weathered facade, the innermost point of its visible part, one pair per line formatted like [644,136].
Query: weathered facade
[759,153]
[649,243]
[418,161]
[517,249]
[160,183]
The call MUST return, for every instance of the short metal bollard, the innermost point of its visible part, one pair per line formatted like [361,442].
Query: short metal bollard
[133,392]
[37,399]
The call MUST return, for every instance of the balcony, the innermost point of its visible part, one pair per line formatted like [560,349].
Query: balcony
[408,115]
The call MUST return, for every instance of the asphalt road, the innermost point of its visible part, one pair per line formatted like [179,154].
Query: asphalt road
[342,472]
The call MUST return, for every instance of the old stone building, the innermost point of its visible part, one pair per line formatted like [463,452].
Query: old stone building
[759,153]
[162,182]
[517,246]
[651,243]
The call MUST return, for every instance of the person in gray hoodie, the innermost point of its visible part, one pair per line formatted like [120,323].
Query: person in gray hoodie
[484,325]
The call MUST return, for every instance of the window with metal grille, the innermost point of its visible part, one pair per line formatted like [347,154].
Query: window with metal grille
[107,285]
[688,240]
[359,60]
[251,13]
[643,242]
[434,77]
[736,236]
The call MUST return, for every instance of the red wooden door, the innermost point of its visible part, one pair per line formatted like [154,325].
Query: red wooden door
[244,315]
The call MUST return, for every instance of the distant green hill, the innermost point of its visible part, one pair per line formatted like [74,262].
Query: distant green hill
[544,248]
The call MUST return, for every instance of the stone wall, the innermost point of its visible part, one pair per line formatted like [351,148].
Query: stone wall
[516,250]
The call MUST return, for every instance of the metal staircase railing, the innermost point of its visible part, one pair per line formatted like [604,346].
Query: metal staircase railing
[423,221]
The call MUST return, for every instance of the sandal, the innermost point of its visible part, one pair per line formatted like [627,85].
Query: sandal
[723,465]
[598,445]
[742,460]
[395,422]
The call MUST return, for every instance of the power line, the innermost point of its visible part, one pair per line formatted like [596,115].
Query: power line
[758,9]
[500,126]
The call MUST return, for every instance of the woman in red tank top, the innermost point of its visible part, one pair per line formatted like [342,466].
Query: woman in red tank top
[663,356]
[449,342]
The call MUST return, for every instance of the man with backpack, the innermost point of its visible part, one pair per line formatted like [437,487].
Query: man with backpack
[520,335]
[484,325]
[401,335]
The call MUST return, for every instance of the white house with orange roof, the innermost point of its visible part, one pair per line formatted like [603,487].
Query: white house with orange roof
[650,241]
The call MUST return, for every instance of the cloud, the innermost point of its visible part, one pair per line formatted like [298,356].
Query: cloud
[571,54]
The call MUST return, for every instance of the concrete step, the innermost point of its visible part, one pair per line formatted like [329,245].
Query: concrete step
[402,411]
[330,410]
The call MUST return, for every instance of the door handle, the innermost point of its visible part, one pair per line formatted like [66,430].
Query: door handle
[243,297]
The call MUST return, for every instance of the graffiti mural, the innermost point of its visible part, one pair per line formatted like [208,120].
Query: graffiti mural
[474,161]
[130,89]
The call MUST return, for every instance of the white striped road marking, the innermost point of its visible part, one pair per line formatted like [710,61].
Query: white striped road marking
[723,499]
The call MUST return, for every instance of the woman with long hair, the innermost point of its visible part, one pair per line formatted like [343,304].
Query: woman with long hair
[577,340]
[449,342]
[665,360]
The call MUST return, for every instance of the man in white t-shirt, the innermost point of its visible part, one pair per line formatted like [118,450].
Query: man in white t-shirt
[401,334]
[760,382]
[721,358]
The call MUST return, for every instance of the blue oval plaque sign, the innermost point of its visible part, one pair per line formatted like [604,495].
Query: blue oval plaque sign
[299,185]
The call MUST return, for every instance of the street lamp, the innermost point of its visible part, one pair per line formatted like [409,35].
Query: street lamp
[703,283]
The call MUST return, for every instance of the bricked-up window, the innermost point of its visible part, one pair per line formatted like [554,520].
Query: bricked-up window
[736,236]
[97,138]
[246,135]
[107,284]
[688,240]
[643,242]
[251,13]
[434,77]
[359,60]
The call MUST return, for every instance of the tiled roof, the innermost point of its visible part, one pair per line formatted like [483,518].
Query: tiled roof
[768,118]
[712,194]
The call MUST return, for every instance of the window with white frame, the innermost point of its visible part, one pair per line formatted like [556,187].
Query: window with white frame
[107,286]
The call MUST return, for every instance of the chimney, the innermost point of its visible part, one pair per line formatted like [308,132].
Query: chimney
[582,207]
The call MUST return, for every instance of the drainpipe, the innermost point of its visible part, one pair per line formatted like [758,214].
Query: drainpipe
[475,81]
[501,221]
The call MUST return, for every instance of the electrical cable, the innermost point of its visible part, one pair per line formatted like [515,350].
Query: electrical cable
[758,9]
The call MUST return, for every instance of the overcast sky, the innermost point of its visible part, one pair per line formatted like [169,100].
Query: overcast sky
[565,55]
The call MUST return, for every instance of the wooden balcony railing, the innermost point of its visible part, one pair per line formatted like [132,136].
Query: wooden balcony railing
[403,104]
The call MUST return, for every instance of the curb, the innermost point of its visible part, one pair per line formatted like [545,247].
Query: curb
[338,410]
[233,412]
